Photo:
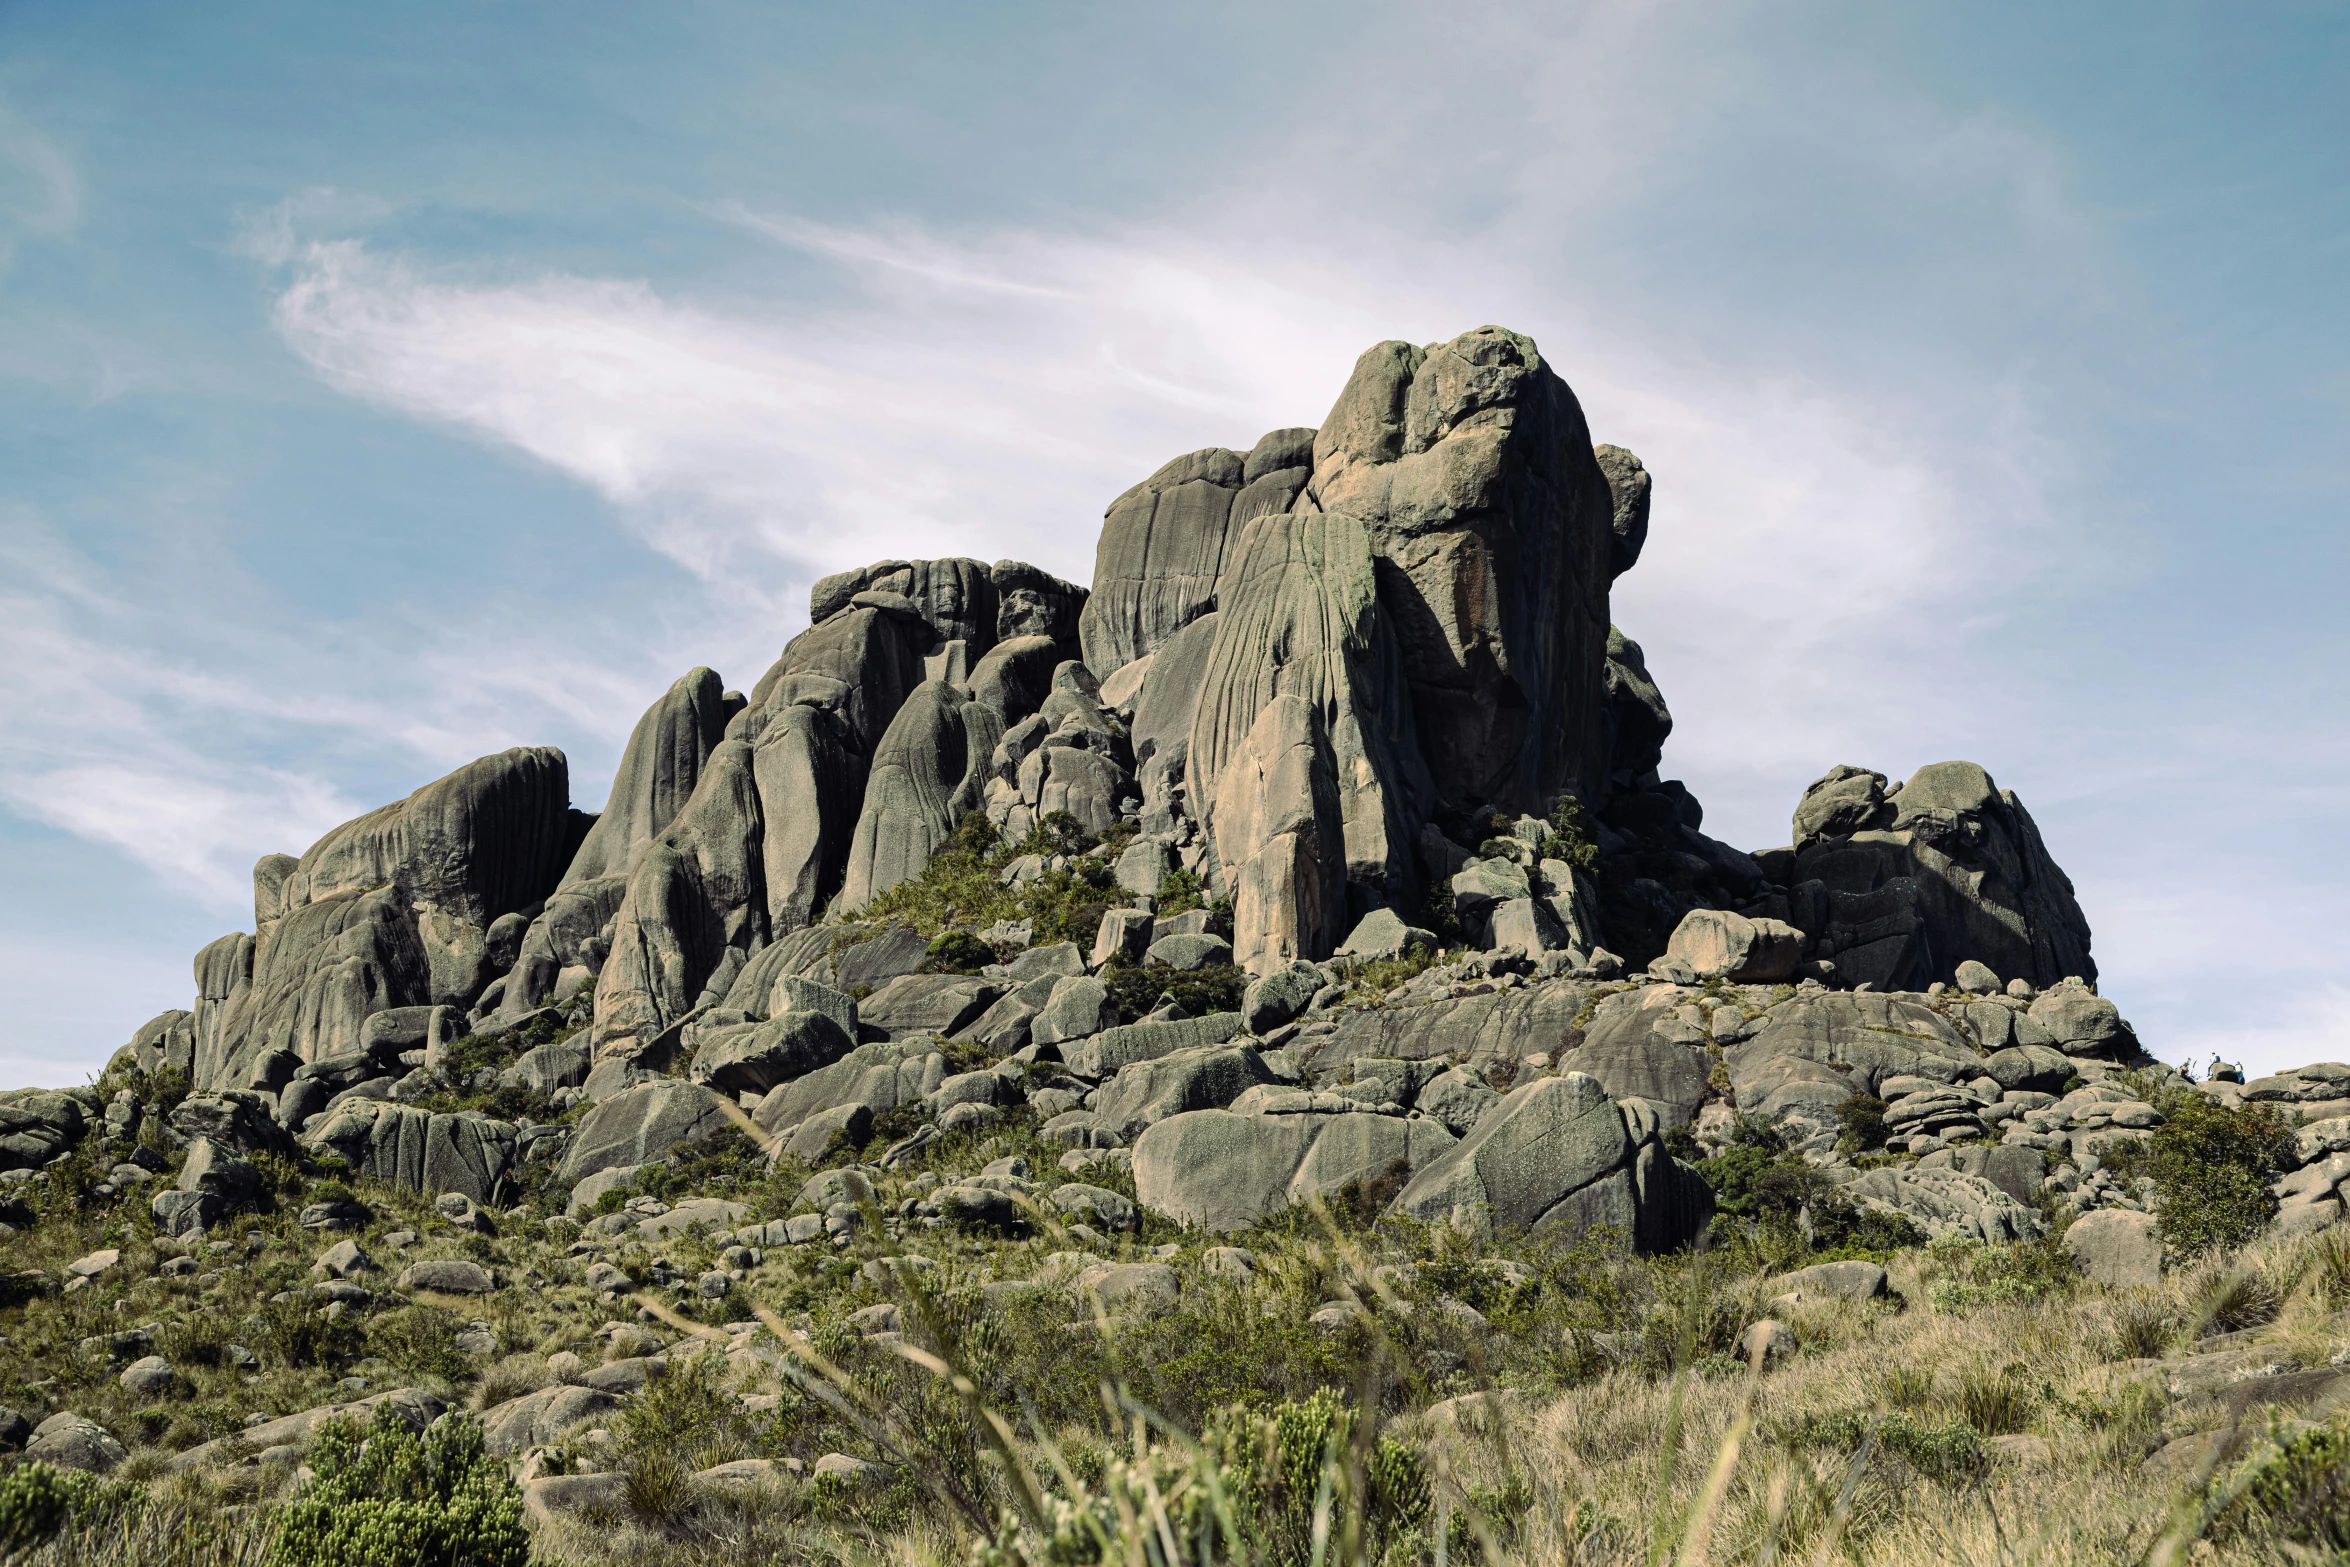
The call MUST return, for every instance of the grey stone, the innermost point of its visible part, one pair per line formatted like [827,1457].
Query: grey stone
[1080,1008]
[1717,944]
[915,1004]
[696,905]
[878,1076]
[415,1408]
[1947,1203]
[1766,1342]
[1525,926]
[1114,1048]
[1199,1079]
[1457,1099]
[817,1136]
[1148,1287]
[447,1276]
[1060,958]
[2083,1024]
[1832,1281]
[1144,865]
[659,767]
[343,1260]
[1190,952]
[1382,933]
[756,1057]
[412,1148]
[1092,1204]
[1638,721]
[1976,979]
[547,1067]
[536,1419]
[1524,1160]
[1628,486]
[1276,815]
[644,1123]
[811,777]
[1160,556]
[921,761]
[1278,997]
[1903,888]
[2117,1248]
[72,1441]
[2034,1068]
[1124,933]
[148,1377]
[1222,1171]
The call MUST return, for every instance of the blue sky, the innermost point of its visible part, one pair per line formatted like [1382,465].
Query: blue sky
[379,389]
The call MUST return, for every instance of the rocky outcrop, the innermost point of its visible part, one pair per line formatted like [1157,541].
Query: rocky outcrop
[1470,469]
[1899,887]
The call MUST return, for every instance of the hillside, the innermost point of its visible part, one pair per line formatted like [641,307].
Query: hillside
[1248,1061]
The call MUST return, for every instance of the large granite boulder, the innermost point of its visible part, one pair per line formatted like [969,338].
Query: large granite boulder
[38,1124]
[874,1078]
[659,770]
[1278,830]
[417,1149]
[1638,721]
[1204,1078]
[1469,466]
[756,1057]
[1813,1052]
[1557,1158]
[811,777]
[1717,944]
[1222,1171]
[1163,543]
[642,1124]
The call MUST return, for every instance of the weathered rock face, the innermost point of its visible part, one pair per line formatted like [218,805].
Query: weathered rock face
[1470,469]
[659,769]
[1279,832]
[698,892]
[1163,542]
[915,774]
[1900,888]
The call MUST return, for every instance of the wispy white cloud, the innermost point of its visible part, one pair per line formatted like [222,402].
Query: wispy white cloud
[40,190]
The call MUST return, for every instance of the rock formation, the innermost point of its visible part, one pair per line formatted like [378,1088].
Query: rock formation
[1354,682]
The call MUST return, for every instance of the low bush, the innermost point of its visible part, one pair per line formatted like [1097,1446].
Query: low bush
[2211,1167]
[37,1500]
[2300,1490]
[385,1497]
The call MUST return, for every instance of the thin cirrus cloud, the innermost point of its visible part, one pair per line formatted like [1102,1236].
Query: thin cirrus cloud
[987,396]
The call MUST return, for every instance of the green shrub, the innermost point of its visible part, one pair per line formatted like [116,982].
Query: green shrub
[1939,1452]
[1276,1466]
[37,1500]
[418,1340]
[2300,1491]
[294,1333]
[1862,1118]
[1571,837]
[1181,891]
[957,952]
[2211,1168]
[1995,1403]
[385,1497]
[1137,988]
